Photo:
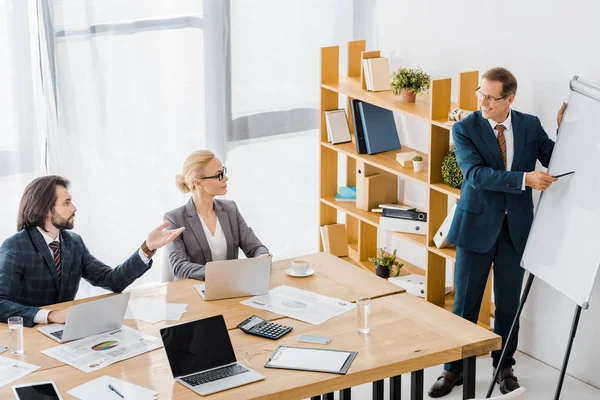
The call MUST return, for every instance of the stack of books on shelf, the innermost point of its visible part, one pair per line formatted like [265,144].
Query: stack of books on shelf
[377,74]
[338,130]
[400,218]
[374,128]
[346,193]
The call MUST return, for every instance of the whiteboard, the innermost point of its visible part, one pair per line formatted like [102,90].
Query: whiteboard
[563,248]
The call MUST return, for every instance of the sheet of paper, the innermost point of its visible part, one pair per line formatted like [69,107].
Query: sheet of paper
[98,351]
[153,311]
[300,304]
[98,390]
[309,359]
[11,370]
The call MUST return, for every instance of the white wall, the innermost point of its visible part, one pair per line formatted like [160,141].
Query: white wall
[544,43]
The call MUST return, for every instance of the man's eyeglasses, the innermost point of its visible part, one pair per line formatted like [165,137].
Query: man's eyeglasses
[219,175]
[491,99]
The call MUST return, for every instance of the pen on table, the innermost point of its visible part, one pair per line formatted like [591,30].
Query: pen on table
[565,174]
[111,387]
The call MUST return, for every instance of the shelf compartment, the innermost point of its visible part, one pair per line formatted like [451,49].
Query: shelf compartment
[446,189]
[385,161]
[350,208]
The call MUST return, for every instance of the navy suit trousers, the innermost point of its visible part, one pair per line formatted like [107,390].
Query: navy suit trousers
[470,277]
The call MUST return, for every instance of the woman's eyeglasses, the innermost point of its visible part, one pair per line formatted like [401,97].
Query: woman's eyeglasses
[219,175]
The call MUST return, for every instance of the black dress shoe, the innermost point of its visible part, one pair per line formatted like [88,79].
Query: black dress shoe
[445,383]
[507,380]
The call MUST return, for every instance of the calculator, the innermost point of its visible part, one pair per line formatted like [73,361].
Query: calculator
[260,327]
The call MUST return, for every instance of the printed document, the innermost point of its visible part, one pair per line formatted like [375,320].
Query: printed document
[11,370]
[98,351]
[300,304]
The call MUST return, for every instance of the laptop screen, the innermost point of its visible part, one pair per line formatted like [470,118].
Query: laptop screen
[197,346]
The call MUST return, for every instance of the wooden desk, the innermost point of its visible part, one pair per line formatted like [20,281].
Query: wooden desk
[333,277]
[407,335]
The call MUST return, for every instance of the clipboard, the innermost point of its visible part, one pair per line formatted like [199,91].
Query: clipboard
[310,359]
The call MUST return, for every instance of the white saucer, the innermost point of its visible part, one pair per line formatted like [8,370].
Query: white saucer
[291,272]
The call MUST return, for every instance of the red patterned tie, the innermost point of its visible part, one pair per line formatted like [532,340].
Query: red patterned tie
[502,142]
[55,246]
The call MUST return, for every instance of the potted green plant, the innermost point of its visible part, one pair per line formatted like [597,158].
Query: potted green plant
[386,264]
[451,173]
[410,82]
[417,163]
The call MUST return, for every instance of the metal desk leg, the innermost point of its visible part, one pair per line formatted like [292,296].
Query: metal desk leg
[469,377]
[416,385]
[345,394]
[378,390]
[396,387]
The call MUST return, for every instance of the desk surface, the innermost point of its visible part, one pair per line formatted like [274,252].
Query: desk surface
[407,334]
[333,277]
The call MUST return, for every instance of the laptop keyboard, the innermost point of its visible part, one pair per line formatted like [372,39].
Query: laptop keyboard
[214,374]
[57,334]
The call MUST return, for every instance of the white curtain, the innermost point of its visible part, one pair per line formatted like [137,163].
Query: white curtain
[21,138]
[130,97]
[120,92]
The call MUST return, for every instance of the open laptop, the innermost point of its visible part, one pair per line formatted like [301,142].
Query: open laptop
[202,358]
[89,319]
[236,278]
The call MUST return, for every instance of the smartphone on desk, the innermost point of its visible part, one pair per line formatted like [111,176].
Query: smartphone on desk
[314,339]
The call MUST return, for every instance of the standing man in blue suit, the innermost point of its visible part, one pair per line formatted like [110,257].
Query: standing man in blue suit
[44,262]
[497,149]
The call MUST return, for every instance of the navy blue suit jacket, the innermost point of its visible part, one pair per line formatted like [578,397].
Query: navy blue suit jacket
[488,190]
[28,278]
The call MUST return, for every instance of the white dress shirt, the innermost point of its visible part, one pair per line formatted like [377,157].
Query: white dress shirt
[41,317]
[510,141]
[216,242]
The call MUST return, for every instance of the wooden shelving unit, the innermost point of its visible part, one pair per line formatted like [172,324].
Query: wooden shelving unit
[361,226]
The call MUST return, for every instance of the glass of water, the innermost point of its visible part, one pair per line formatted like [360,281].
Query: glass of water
[363,311]
[15,334]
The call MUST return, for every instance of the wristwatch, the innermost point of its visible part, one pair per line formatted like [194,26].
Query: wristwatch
[149,253]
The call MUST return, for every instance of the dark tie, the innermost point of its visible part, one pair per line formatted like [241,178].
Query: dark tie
[55,246]
[502,142]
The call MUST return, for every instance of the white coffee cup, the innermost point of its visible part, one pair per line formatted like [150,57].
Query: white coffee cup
[300,267]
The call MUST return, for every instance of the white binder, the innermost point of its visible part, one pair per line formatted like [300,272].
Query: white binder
[440,236]
[403,225]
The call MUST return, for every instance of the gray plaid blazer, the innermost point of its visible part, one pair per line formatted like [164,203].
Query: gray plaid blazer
[28,278]
[190,251]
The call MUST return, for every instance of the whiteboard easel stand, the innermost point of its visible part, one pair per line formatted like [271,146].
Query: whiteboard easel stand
[511,335]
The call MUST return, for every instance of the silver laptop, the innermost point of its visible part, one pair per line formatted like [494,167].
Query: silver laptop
[236,278]
[89,319]
[202,358]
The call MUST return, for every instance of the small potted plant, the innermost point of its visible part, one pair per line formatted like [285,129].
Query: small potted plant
[410,82]
[418,163]
[386,265]
[451,173]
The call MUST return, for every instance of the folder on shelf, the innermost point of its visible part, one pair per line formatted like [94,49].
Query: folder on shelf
[379,128]
[335,240]
[440,236]
[338,130]
[359,137]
